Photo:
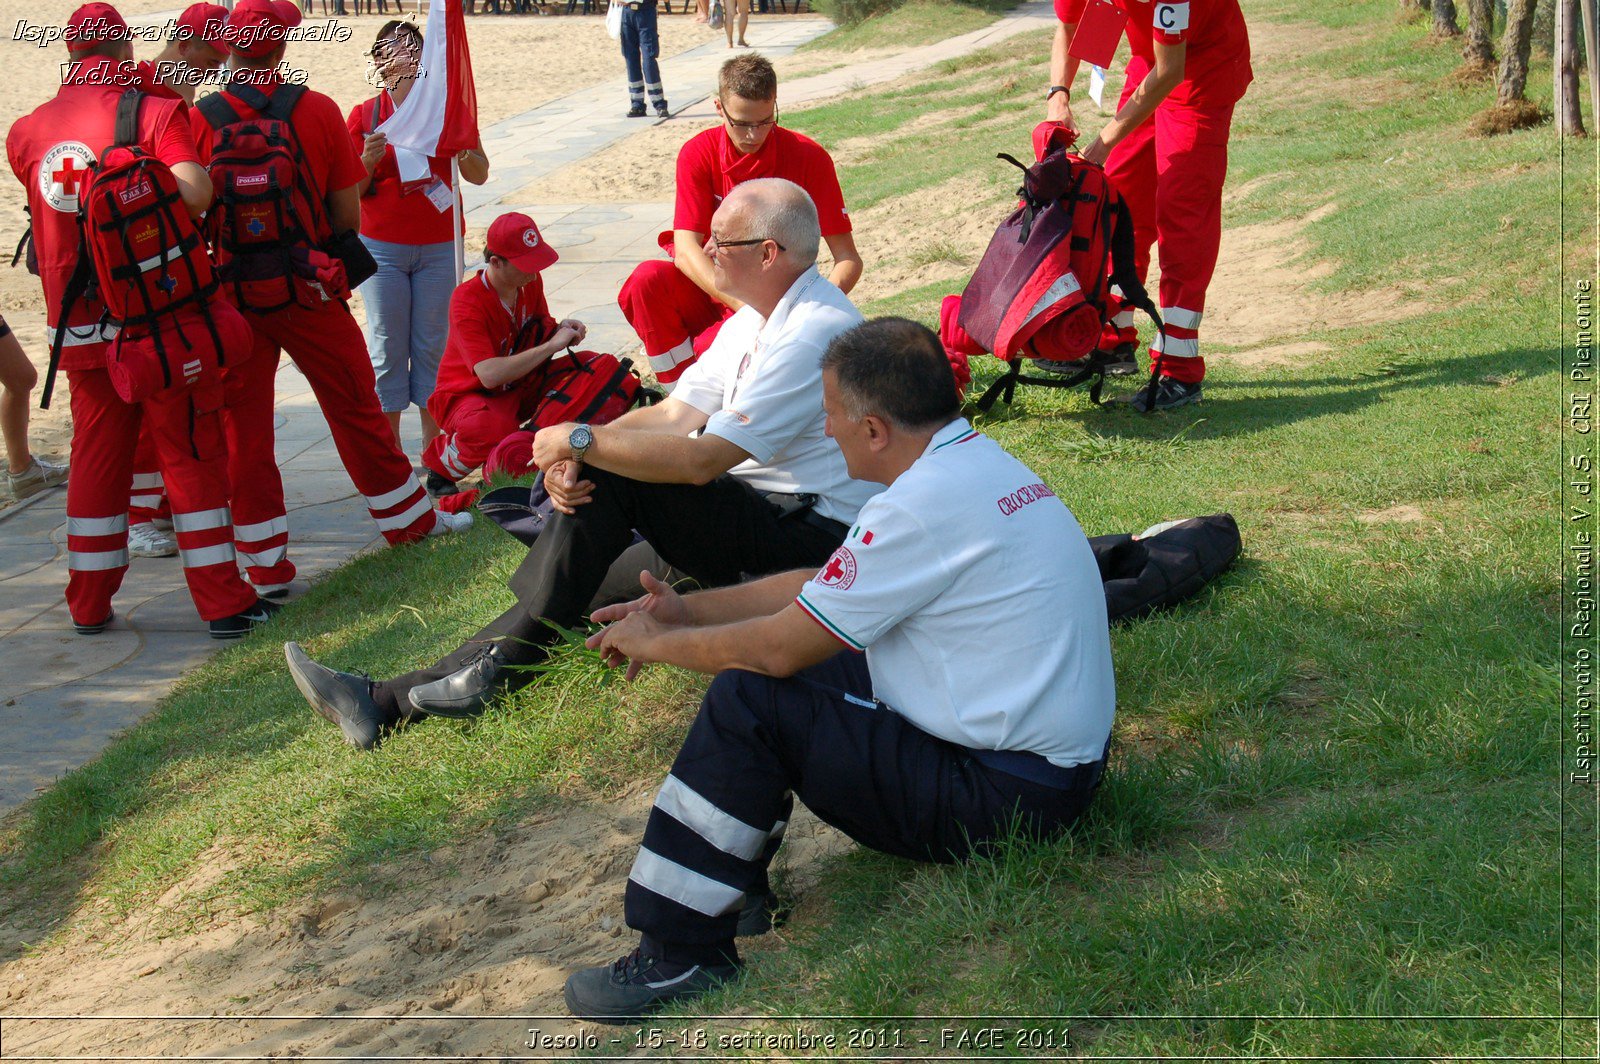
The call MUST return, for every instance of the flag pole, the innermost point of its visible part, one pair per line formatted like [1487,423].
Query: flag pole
[456,219]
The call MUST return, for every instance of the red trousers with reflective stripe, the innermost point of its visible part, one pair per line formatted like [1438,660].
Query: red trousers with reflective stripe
[472,428]
[674,318]
[1171,169]
[327,345]
[260,522]
[148,500]
[186,432]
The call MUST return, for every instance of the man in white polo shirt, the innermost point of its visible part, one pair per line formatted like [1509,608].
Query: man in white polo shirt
[984,698]
[762,489]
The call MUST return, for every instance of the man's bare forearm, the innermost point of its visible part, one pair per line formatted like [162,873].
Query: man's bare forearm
[756,598]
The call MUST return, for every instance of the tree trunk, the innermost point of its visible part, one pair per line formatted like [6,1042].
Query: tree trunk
[1444,19]
[1511,84]
[1569,106]
[1479,50]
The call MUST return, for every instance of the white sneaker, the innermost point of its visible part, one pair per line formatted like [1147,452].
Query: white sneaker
[147,541]
[36,478]
[444,523]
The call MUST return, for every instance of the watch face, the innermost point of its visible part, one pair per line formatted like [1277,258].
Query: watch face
[581,438]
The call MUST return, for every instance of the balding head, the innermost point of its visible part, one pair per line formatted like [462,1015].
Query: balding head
[765,236]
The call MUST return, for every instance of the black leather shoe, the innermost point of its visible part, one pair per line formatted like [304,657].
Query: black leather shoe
[636,986]
[636,111]
[342,698]
[245,621]
[439,486]
[466,691]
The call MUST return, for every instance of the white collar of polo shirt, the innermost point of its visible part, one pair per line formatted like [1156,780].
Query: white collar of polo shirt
[956,430]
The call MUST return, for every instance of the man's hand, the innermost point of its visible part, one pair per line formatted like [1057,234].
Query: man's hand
[550,445]
[561,482]
[578,329]
[659,601]
[372,150]
[1096,152]
[1059,109]
[628,640]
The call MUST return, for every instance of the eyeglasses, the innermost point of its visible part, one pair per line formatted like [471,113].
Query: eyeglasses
[753,127]
[714,244]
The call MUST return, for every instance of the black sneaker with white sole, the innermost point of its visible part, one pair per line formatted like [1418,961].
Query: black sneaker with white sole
[1164,394]
[1122,360]
[342,698]
[637,985]
[439,486]
[245,621]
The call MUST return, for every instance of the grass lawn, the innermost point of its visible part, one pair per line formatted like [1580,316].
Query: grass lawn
[1334,800]
[908,25]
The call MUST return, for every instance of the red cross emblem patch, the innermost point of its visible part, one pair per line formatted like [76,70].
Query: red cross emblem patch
[63,173]
[840,572]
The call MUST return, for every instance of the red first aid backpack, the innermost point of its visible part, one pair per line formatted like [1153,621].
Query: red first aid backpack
[1042,288]
[586,386]
[268,225]
[142,255]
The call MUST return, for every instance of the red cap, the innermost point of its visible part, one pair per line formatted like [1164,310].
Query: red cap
[94,24]
[516,239]
[256,27]
[202,22]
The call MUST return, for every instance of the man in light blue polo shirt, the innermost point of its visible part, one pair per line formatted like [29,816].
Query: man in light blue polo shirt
[983,698]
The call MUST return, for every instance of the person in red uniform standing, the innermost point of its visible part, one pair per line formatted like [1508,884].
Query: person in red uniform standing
[1166,151]
[49,150]
[323,339]
[501,331]
[192,52]
[674,305]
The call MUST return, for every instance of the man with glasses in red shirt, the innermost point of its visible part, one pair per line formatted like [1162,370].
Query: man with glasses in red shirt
[674,304]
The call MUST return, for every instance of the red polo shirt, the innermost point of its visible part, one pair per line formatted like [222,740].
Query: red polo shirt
[481,327]
[388,211]
[50,150]
[709,167]
[1216,67]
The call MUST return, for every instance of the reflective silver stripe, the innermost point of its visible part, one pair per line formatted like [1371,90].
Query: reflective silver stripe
[145,502]
[1173,347]
[97,526]
[263,558]
[147,481]
[451,459]
[1183,319]
[406,516]
[172,254]
[1059,289]
[727,833]
[200,557]
[667,359]
[201,520]
[1122,319]
[395,497]
[93,561]
[261,530]
[778,829]
[83,335]
[683,885]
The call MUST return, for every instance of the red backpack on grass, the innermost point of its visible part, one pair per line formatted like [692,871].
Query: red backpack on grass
[1042,287]
[143,257]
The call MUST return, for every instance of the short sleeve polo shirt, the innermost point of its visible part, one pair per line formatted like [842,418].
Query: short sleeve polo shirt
[709,167]
[1217,64]
[979,605]
[760,383]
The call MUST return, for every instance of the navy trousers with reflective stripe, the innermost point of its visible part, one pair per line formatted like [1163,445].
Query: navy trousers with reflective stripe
[759,741]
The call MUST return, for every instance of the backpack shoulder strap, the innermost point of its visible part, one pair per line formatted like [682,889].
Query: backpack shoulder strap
[372,122]
[127,128]
[280,104]
[77,285]
[217,110]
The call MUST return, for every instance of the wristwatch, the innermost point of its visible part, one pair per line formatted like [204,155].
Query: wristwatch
[579,440]
[1055,89]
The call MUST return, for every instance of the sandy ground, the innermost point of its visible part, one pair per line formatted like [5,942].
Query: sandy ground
[518,63]
[452,957]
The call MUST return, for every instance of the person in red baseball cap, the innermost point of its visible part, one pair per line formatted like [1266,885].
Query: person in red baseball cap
[257,27]
[95,24]
[501,331]
[193,50]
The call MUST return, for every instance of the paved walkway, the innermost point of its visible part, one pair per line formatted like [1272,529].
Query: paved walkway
[63,697]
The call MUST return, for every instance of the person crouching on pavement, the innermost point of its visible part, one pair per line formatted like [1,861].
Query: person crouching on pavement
[501,333]
[905,691]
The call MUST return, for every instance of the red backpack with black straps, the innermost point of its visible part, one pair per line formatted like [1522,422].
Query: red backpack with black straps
[268,227]
[1043,287]
[144,258]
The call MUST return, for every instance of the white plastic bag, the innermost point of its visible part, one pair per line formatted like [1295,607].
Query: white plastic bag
[614,20]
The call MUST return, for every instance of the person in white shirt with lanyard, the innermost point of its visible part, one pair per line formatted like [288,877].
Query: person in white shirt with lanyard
[983,701]
[762,489]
